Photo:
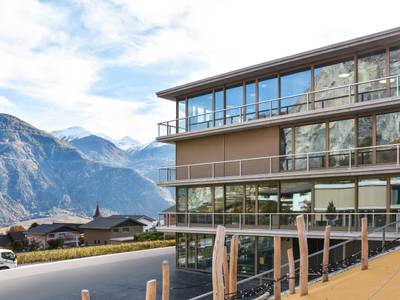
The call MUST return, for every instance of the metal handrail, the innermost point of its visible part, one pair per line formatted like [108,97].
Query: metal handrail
[264,274]
[395,78]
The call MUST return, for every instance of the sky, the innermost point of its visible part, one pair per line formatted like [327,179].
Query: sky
[97,64]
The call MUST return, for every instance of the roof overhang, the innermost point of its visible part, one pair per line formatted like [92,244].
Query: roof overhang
[382,39]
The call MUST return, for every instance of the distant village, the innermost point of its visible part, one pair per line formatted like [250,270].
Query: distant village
[110,230]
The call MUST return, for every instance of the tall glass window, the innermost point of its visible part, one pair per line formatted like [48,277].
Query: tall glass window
[251,106]
[204,251]
[181,250]
[200,111]
[285,149]
[265,254]
[341,136]
[199,201]
[191,242]
[395,193]
[246,255]
[181,205]
[364,140]
[250,203]
[387,132]
[291,85]
[340,192]
[181,115]
[371,67]
[334,76]
[234,103]
[234,195]
[219,107]
[295,197]
[268,90]
[395,70]
[372,198]
[310,138]
[267,202]
[219,204]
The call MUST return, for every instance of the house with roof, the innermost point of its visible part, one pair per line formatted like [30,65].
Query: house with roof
[112,230]
[42,234]
[146,220]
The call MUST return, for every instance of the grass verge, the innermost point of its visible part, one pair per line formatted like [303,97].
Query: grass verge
[70,253]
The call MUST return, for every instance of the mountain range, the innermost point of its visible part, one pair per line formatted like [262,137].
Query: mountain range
[74,169]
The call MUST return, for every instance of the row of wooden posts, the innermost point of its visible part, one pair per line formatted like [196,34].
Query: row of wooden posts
[224,276]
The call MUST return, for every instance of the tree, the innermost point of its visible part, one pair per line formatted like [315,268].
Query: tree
[331,212]
[33,225]
[16,228]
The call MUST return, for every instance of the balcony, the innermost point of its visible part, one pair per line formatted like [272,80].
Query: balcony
[351,162]
[340,99]
[344,225]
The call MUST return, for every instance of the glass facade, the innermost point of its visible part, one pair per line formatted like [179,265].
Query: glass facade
[394,66]
[341,136]
[267,202]
[181,115]
[387,132]
[341,193]
[268,90]
[234,196]
[251,105]
[204,251]
[200,112]
[199,203]
[310,138]
[234,99]
[219,108]
[285,148]
[365,131]
[395,193]
[181,205]
[291,85]
[246,255]
[369,68]
[329,78]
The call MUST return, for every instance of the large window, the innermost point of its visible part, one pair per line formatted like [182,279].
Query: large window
[292,85]
[372,198]
[394,70]
[191,242]
[268,90]
[371,67]
[341,137]
[233,203]
[310,138]
[199,201]
[387,132]
[181,250]
[199,109]
[219,108]
[251,105]
[395,193]
[364,140]
[331,77]
[219,204]
[267,202]
[204,251]
[181,115]
[339,194]
[246,255]
[234,103]
[181,205]
[250,203]
[285,148]
[295,197]
[265,254]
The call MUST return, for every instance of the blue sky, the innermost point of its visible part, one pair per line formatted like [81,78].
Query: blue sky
[97,64]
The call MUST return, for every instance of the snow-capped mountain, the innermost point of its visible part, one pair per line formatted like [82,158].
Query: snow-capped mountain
[126,143]
[71,133]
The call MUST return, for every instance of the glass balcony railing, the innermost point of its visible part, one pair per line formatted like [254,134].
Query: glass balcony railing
[339,96]
[351,158]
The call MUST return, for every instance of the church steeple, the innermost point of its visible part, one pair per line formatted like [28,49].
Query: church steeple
[97,213]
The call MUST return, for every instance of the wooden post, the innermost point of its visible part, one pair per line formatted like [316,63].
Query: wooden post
[277,267]
[301,232]
[85,295]
[233,264]
[217,264]
[325,258]
[151,290]
[165,280]
[364,244]
[292,274]
[226,271]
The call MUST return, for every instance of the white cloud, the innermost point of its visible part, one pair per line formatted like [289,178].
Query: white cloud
[5,103]
[41,57]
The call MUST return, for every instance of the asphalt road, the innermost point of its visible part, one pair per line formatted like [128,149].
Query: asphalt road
[116,276]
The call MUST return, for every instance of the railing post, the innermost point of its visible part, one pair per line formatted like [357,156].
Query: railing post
[226,271]
[325,258]
[292,274]
[213,220]
[270,107]
[398,154]
[308,162]
[217,264]
[303,255]
[397,89]
[277,267]
[383,238]
[165,280]
[213,170]
[240,221]
[307,100]
[364,244]
[349,159]
[307,222]
[189,214]
[85,295]
[349,225]
[233,264]
[240,167]
[349,94]
[270,222]
[188,172]
[270,165]
[151,290]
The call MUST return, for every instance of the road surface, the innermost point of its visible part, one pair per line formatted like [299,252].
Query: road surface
[115,276]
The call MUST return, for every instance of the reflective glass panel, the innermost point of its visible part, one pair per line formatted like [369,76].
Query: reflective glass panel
[246,255]
[395,192]
[181,250]
[341,193]
[387,132]
[191,261]
[265,253]
[219,107]
[234,103]
[182,115]
[200,112]
[250,204]
[310,138]
[267,202]
[219,204]
[286,161]
[372,198]
[395,70]
[295,198]
[371,67]
[234,195]
[251,105]
[292,85]
[181,205]
[204,251]
[331,77]
[365,140]
[341,137]
[199,202]
[267,90]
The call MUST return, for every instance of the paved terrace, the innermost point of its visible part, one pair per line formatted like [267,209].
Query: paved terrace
[379,282]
